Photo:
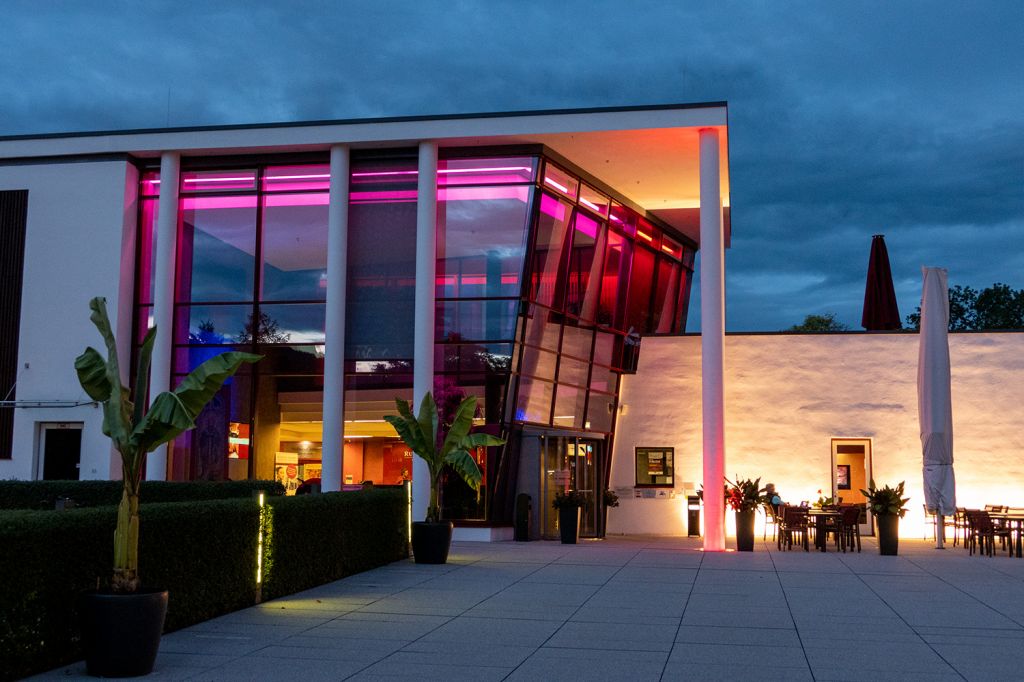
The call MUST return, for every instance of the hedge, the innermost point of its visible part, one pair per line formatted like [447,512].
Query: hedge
[43,494]
[314,539]
[203,552]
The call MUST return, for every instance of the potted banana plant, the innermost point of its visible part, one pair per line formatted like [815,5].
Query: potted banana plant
[121,626]
[439,448]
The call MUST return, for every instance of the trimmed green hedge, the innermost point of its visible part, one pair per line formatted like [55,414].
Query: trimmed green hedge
[314,539]
[43,494]
[203,552]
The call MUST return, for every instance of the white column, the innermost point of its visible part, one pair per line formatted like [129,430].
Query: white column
[334,349]
[423,331]
[163,296]
[712,339]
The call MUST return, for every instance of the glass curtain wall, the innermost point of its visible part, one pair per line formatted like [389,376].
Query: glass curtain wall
[542,280]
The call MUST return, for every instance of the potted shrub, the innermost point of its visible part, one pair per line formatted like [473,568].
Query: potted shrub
[121,626]
[744,496]
[568,505]
[440,446]
[887,505]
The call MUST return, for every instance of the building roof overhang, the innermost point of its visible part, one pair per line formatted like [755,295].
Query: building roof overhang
[648,154]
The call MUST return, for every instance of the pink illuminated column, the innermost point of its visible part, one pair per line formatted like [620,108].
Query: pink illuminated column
[334,349]
[423,326]
[163,296]
[712,340]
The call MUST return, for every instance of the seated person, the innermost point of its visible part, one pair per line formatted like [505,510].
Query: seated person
[772,497]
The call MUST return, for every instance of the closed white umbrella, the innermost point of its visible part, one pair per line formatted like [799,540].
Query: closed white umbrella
[934,401]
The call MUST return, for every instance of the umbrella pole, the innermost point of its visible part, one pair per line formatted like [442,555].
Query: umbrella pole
[940,530]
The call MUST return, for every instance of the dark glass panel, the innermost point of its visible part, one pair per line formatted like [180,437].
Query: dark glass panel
[381,260]
[216,248]
[666,289]
[212,324]
[569,402]
[683,304]
[218,181]
[572,371]
[481,240]
[623,218]
[493,171]
[546,267]
[641,278]
[147,251]
[143,321]
[296,178]
[671,248]
[583,284]
[219,448]
[290,323]
[473,358]
[539,363]
[577,341]
[476,320]
[294,247]
[291,360]
[534,403]
[600,412]
[187,358]
[557,180]
[647,234]
[543,328]
[615,280]
[594,200]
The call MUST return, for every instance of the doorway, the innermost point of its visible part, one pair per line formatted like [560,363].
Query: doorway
[851,472]
[572,463]
[60,451]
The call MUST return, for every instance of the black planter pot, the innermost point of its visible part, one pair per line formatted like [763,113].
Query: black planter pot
[569,524]
[431,541]
[121,632]
[888,534]
[745,531]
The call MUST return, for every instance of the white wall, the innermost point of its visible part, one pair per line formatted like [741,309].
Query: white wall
[787,395]
[80,243]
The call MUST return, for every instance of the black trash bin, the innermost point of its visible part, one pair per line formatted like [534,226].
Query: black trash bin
[524,510]
[693,516]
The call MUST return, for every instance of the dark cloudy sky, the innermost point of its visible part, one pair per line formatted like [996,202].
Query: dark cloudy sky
[847,119]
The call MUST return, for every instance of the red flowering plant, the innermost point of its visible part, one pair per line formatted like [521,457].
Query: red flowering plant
[744,494]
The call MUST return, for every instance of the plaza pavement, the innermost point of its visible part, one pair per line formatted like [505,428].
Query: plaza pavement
[628,609]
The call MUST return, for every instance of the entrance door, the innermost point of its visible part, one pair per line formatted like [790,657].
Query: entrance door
[60,451]
[570,463]
[851,472]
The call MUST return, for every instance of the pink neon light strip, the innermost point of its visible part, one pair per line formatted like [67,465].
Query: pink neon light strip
[558,186]
[367,174]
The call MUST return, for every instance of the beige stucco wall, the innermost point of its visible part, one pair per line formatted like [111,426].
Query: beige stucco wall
[788,395]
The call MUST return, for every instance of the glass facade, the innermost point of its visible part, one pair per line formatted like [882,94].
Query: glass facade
[540,277]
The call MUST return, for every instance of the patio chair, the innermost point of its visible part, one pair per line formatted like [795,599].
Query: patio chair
[931,518]
[849,527]
[983,533]
[794,523]
[770,519]
[960,525]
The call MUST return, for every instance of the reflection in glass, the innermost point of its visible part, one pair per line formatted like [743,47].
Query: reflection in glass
[294,248]
[585,261]
[569,402]
[667,286]
[547,254]
[600,414]
[476,320]
[289,323]
[216,248]
[614,281]
[534,404]
[638,306]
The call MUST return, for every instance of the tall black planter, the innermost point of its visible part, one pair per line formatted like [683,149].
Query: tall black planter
[888,534]
[569,524]
[745,531]
[431,542]
[121,632]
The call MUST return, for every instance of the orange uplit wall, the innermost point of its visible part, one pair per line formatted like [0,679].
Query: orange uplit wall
[788,395]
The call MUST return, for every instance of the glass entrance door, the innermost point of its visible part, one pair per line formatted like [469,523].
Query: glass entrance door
[572,464]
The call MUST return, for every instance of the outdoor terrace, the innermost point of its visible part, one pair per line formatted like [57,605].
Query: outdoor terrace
[632,609]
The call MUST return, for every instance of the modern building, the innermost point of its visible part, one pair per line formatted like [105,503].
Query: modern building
[520,258]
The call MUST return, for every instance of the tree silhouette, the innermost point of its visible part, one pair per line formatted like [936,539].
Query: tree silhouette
[267,330]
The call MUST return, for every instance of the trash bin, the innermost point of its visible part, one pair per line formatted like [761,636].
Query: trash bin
[693,516]
[524,511]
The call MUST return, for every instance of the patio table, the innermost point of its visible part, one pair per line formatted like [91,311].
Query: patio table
[821,517]
[1015,522]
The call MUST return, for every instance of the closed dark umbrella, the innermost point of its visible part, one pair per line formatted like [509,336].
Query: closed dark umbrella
[880,310]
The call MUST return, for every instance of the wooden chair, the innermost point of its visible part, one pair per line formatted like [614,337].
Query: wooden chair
[931,518]
[849,527]
[960,525]
[770,519]
[983,533]
[794,522]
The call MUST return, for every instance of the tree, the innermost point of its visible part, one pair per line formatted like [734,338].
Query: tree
[997,307]
[267,330]
[820,323]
